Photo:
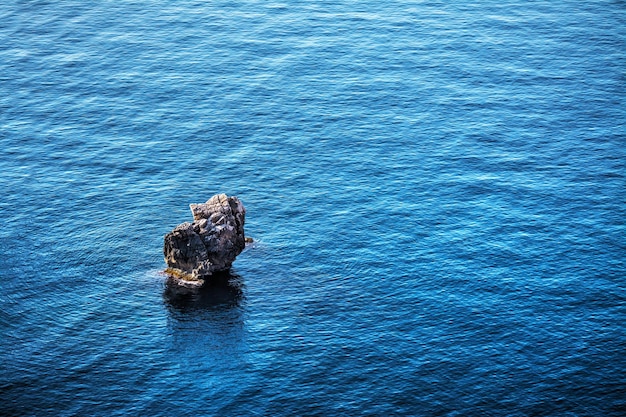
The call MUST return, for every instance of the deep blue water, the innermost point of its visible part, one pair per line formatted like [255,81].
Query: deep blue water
[437,192]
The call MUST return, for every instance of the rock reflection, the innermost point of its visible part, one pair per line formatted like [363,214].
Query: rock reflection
[206,325]
[224,291]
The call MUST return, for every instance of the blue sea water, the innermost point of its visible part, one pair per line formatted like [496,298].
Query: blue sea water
[436,191]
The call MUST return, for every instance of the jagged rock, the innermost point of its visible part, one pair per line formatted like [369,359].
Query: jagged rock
[194,251]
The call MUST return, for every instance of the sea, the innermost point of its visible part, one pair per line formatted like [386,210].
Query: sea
[436,191]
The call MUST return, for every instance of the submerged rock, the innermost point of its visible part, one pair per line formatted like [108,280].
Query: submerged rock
[194,251]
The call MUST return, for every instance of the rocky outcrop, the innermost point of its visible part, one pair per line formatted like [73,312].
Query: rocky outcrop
[194,251]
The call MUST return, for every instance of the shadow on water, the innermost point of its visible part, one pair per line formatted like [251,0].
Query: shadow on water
[223,292]
[207,324]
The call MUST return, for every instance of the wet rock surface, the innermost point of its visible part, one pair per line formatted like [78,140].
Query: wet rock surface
[195,251]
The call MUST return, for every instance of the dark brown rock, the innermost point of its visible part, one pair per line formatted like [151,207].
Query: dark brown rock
[194,251]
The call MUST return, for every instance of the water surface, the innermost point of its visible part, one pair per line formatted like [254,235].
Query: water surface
[436,191]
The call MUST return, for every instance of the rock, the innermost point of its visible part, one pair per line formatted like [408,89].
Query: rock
[194,251]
